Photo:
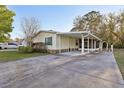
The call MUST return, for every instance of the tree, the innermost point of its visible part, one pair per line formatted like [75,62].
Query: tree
[120,27]
[102,32]
[6,20]
[30,27]
[79,24]
[106,28]
[89,22]
[110,27]
[115,26]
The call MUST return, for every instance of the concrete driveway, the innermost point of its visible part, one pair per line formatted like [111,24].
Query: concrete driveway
[94,70]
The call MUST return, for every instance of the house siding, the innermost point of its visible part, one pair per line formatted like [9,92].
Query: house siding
[41,38]
[67,43]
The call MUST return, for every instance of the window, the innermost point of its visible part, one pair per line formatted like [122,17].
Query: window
[48,40]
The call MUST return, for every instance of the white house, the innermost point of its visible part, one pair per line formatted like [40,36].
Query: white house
[57,42]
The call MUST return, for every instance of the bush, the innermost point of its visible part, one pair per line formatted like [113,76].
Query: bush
[39,47]
[29,49]
[25,49]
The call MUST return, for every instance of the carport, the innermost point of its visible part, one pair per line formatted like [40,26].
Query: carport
[87,41]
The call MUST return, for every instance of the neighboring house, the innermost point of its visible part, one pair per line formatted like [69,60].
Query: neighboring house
[57,42]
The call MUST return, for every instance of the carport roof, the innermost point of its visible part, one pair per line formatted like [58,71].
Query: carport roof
[79,34]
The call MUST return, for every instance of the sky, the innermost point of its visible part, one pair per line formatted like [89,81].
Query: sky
[55,17]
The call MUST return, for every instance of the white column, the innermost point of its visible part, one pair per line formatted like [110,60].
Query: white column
[69,45]
[88,45]
[59,44]
[107,47]
[111,48]
[94,44]
[100,45]
[82,44]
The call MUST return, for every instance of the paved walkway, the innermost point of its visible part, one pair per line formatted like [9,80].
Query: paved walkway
[94,70]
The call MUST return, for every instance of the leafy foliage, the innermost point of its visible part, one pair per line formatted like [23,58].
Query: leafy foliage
[88,22]
[6,20]
[109,28]
[25,49]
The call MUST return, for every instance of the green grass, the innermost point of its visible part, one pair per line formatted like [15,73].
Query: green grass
[15,55]
[119,56]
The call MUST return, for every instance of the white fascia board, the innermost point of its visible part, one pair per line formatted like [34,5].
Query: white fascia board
[72,32]
[95,36]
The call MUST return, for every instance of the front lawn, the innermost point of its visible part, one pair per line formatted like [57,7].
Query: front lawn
[15,55]
[119,56]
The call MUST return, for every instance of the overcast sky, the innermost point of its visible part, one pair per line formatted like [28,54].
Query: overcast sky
[58,18]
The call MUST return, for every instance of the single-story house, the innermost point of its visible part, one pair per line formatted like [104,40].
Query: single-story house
[57,42]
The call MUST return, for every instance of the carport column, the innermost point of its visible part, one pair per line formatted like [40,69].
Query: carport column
[82,44]
[100,45]
[112,48]
[59,43]
[88,44]
[69,45]
[107,47]
[94,44]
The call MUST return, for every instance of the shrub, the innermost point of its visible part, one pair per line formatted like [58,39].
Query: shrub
[39,47]
[21,49]
[28,49]
[25,49]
